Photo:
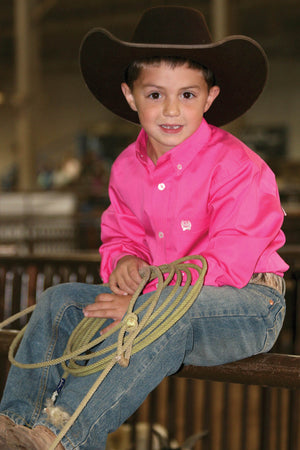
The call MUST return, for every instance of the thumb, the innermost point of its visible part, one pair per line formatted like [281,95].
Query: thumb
[144,269]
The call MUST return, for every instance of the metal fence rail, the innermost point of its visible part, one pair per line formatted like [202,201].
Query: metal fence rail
[267,369]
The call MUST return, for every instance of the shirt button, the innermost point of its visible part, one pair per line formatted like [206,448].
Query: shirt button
[161,235]
[179,166]
[161,186]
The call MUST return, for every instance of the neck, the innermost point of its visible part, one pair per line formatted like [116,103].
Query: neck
[151,152]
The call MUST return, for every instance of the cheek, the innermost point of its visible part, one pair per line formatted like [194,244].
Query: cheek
[147,114]
[195,115]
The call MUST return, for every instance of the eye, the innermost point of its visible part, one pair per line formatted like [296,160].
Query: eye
[154,95]
[188,95]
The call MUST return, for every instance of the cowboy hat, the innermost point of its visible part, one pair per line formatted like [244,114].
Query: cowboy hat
[238,62]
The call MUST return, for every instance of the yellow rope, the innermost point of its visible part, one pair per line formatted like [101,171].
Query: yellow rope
[133,336]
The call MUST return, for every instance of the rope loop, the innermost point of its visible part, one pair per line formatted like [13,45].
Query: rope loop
[140,327]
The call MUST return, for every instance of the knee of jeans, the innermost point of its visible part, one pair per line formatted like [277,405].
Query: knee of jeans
[55,294]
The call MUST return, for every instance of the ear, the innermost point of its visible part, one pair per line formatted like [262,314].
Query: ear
[129,96]
[212,95]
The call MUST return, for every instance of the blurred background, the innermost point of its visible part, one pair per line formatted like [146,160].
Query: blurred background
[57,142]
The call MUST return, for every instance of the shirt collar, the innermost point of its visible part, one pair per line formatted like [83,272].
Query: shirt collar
[181,155]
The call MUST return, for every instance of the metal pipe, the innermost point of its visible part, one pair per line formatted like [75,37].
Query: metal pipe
[219,19]
[24,94]
[267,369]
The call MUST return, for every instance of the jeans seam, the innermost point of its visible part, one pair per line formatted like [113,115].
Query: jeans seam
[274,330]
[45,373]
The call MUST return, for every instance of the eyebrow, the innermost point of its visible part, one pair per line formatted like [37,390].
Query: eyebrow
[185,88]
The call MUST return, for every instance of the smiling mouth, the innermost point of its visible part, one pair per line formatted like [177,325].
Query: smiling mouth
[171,127]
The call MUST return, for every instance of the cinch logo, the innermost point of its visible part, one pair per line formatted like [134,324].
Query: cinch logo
[186,225]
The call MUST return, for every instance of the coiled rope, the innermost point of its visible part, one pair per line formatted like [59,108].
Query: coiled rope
[133,336]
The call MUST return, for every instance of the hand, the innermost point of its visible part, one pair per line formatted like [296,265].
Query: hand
[126,277]
[108,306]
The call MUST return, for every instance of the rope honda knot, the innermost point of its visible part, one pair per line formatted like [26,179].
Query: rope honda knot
[130,325]
[131,321]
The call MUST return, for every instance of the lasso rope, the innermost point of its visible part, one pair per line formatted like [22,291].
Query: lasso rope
[133,336]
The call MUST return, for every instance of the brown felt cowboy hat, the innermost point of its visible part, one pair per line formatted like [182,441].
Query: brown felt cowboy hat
[238,62]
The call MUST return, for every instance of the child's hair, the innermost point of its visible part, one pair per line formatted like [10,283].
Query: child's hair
[133,71]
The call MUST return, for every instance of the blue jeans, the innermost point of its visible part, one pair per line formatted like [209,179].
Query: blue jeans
[224,324]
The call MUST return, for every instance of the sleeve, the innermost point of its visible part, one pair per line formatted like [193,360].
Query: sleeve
[121,234]
[246,219]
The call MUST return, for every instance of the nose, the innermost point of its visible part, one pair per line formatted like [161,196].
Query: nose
[171,107]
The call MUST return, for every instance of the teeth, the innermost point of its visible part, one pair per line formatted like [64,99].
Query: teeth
[171,127]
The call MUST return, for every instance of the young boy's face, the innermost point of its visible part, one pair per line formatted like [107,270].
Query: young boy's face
[170,103]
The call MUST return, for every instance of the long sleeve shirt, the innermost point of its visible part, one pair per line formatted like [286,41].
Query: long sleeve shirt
[210,195]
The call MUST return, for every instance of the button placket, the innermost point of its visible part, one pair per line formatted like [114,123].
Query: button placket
[160,199]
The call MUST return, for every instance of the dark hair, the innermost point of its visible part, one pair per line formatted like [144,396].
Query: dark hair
[134,69]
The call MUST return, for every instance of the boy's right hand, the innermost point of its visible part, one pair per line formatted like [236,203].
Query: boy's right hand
[126,277]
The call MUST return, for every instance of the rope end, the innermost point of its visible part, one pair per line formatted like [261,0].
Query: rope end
[56,415]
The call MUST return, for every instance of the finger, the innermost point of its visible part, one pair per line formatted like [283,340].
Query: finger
[130,273]
[127,283]
[99,306]
[128,288]
[113,284]
[116,290]
[108,306]
[121,286]
[106,297]
[103,313]
[134,275]
[109,327]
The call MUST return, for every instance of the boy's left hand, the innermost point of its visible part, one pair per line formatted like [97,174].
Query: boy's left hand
[108,306]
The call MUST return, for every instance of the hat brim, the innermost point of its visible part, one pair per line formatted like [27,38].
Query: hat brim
[238,63]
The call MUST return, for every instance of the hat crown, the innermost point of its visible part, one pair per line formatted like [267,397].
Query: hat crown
[172,25]
[238,62]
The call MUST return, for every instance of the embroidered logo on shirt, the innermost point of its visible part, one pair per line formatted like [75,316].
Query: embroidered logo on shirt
[186,225]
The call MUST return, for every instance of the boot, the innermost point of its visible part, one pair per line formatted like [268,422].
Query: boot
[5,425]
[38,438]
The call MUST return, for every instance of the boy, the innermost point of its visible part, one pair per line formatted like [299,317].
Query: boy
[184,187]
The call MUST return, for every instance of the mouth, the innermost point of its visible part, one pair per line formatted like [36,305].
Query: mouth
[171,128]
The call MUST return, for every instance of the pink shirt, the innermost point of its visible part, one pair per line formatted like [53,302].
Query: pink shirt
[210,195]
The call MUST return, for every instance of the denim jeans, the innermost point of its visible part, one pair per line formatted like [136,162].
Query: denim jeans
[223,325]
